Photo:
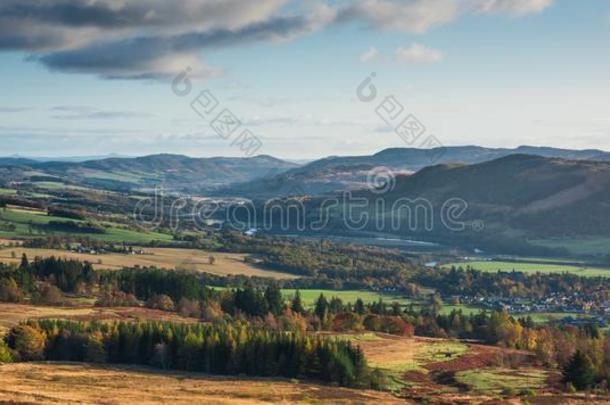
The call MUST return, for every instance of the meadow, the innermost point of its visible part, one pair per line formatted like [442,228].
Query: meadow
[30,223]
[532,267]
[309,296]
[498,380]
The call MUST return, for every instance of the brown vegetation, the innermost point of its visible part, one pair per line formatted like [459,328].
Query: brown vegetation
[64,382]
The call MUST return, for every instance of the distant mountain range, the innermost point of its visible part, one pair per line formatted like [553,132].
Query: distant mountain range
[259,177]
[527,200]
[173,172]
[332,174]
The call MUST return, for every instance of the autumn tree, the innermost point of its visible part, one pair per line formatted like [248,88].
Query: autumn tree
[27,341]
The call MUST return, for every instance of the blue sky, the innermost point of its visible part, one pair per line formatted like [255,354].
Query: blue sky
[498,73]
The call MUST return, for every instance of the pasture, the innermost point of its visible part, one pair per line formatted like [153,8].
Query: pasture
[309,296]
[526,267]
[30,223]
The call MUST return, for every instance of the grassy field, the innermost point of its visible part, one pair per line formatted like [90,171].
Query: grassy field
[310,296]
[399,354]
[29,222]
[496,380]
[80,383]
[165,258]
[494,266]
[7,191]
[544,317]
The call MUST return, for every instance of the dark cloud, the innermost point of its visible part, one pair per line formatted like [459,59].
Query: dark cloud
[140,39]
[151,57]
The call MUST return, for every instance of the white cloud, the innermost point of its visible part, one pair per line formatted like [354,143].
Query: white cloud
[512,7]
[418,54]
[369,55]
[415,16]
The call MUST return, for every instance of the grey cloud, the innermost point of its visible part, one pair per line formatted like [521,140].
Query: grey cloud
[155,56]
[152,39]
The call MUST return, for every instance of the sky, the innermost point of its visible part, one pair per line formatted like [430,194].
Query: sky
[99,77]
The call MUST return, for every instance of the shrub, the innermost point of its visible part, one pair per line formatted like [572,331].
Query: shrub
[5,354]
[47,294]
[28,342]
[10,291]
[161,301]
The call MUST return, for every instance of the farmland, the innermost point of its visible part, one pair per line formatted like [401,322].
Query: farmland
[29,223]
[309,296]
[531,267]
[165,258]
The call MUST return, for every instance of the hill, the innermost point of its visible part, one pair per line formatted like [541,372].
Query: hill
[174,172]
[516,204]
[332,174]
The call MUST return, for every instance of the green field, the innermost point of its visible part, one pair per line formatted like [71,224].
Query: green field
[28,224]
[497,380]
[7,191]
[494,266]
[310,296]
[54,185]
[544,317]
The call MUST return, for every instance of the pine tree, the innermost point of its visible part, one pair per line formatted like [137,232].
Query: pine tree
[24,262]
[321,308]
[579,371]
[297,303]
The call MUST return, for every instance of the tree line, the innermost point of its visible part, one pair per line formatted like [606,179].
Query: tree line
[229,349]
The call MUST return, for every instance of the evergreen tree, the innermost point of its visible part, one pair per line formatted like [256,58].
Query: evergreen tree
[275,301]
[297,303]
[579,371]
[359,307]
[321,308]
[24,262]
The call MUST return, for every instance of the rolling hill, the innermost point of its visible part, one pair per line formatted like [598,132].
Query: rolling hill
[174,172]
[332,174]
[510,205]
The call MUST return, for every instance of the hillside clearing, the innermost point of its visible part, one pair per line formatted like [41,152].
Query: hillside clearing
[497,379]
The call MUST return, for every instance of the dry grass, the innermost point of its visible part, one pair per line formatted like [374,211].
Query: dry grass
[165,258]
[80,383]
[12,314]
